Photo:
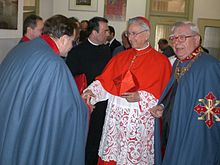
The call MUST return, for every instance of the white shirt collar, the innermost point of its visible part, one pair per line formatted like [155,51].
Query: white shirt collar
[93,42]
[143,47]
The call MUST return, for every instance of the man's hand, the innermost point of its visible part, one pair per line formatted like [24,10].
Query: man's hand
[131,96]
[157,111]
[87,95]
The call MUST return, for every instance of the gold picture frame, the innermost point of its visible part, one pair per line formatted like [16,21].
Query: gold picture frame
[83,5]
[11,15]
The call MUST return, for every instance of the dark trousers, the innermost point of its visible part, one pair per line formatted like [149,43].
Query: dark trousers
[95,132]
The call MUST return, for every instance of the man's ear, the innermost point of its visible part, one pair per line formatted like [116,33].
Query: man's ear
[197,37]
[74,35]
[94,32]
[63,39]
[29,29]
[148,35]
[61,42]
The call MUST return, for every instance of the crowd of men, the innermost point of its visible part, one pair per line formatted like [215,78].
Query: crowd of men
[134,107]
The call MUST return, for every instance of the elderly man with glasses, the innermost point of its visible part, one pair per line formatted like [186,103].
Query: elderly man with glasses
[190,104]
[132,82]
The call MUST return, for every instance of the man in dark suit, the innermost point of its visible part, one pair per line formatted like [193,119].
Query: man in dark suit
[112,42]
[165,48]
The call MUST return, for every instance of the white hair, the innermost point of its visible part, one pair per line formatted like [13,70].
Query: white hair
[140,22]
[191,25]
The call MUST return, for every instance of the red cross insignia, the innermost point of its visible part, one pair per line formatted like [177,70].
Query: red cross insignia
[209,110]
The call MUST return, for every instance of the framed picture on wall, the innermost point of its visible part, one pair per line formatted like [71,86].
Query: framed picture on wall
[8,14]
[11,18]
[115,10]
[83,5]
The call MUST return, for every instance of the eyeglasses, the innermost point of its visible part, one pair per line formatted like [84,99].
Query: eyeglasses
[134,34]
[180,38]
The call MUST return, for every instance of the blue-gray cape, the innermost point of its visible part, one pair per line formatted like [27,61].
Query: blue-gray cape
[43,120]
[190,141]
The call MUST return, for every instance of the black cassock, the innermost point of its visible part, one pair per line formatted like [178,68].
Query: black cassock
[91,60]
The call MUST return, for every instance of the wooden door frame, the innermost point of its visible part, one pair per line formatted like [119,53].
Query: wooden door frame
[204,22]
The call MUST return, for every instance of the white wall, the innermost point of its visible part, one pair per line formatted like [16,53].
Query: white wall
[46,8]
[6,45]
[206,9]
[134,8]
[202,9]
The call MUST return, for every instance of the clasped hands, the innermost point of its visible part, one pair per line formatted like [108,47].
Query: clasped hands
[131,96]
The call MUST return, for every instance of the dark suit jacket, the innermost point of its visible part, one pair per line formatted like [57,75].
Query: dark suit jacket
[115,43]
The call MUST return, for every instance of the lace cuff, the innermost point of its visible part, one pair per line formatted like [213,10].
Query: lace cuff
[147,101]
[100,93]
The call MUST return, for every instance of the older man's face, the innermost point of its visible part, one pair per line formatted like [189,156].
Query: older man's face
[184,41]
[137,36]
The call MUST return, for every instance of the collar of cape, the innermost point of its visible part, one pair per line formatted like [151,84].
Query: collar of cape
[51,43]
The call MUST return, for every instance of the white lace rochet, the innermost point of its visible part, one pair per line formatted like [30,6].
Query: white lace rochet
[128,132]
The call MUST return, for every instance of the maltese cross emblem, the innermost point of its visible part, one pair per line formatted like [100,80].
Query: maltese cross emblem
[208,111]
